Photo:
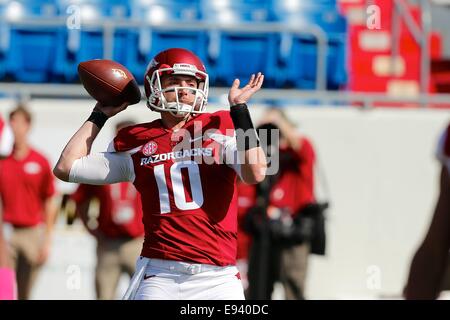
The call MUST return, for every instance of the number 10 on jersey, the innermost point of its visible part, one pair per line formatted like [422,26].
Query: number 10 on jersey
[179,194]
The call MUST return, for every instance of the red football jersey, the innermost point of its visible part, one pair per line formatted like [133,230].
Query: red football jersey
[294,187]
[24,186]
[246,200]
[188,195]
[120,211]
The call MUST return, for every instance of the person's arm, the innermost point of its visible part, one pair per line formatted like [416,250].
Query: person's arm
[82,209]
[287,130]
[51,210]
[83,212]
[254,163]
[81,199]
[429,262]
[80,144]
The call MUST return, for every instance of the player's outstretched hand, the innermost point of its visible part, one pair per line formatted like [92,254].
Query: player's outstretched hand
[111,111]
[242,95]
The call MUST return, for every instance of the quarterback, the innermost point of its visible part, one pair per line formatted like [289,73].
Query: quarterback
[185,167]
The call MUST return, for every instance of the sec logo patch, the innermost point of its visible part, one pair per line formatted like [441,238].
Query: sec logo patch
[149,148]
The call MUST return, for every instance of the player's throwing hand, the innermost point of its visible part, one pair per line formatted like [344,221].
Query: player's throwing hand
[111,111]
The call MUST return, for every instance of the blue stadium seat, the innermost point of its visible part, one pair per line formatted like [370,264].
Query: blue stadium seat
[4,40]
[286,7]
[239,53]
[299,60]
[30,55]
[87,42]
[299,67]
[30,8]
[146,42]
[101,8]
[242,10]
[228,53]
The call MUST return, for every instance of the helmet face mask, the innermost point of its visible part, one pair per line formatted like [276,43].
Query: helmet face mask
[176,62]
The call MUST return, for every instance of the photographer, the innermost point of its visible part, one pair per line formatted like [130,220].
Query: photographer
[286,222]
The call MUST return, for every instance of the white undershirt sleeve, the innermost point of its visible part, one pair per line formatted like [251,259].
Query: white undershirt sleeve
[103,168]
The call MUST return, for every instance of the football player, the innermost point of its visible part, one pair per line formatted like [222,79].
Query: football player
[185,166]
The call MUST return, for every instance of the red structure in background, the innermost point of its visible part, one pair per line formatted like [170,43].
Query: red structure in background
[370,60]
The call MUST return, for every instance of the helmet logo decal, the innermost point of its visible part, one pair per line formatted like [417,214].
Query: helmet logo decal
[184,66]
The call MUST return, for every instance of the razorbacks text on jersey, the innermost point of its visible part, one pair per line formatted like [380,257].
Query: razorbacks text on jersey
[188,193]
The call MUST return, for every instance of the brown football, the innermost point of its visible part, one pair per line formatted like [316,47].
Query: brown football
[109,82]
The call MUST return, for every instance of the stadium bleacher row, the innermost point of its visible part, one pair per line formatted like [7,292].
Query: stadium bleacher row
[66,32]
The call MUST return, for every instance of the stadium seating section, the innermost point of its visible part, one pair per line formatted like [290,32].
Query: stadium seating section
[58,34]
[234,37]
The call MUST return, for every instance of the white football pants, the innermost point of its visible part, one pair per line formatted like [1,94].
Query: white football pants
[157,279]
